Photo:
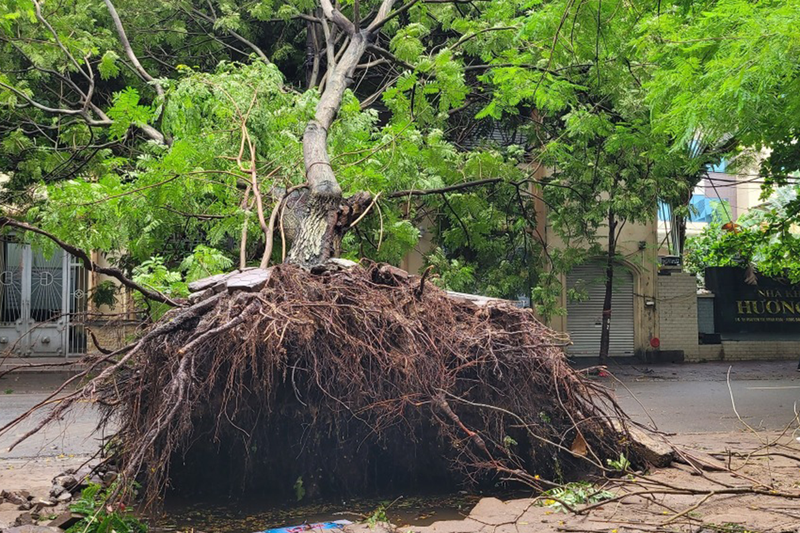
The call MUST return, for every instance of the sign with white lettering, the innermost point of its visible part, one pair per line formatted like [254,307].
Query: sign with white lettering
[769,305]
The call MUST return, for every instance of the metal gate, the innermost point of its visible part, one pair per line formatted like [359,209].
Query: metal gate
[42,302]
[584,318]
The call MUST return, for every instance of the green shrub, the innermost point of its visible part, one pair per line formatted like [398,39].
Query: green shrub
[100,517]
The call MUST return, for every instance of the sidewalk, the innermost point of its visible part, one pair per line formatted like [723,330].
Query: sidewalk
[677,499]
[716,371]
[29,376]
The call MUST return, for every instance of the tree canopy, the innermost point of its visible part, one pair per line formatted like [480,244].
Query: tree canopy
[145,130]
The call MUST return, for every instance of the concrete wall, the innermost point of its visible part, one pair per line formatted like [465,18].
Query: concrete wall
[414,261]
[676,306]
[110,334]
[113,327]
[731,350]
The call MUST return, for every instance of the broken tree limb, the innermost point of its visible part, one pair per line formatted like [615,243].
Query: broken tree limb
[653,448]
[700,460]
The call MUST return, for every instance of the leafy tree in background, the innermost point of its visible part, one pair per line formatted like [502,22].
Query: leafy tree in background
[609,167]
[728,69]
[759,241]
[610,180]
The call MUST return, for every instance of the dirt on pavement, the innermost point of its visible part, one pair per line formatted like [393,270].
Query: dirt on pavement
[35,476]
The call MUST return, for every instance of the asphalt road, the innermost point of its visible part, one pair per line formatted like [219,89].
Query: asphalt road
[69,436]
[680,398]
[705,406]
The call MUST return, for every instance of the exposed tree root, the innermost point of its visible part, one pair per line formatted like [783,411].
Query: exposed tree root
[348,382]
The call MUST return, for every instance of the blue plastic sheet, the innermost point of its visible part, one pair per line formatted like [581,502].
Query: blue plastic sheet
[311,528]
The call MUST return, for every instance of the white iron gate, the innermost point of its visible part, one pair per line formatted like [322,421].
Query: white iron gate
[42,302]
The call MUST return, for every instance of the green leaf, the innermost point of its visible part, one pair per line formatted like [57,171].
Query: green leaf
[108,65]
[126,111]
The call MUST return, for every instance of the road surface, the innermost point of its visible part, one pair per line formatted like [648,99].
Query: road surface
[706,407]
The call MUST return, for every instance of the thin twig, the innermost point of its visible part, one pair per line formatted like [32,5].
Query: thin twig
[356,221]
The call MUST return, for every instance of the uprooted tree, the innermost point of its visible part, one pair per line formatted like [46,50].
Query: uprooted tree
[356,381]
[350,377]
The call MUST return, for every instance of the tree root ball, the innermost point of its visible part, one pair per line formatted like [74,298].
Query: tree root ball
[350,382]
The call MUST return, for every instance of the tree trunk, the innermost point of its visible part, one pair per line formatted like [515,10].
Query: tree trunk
[321,230]
[326,215]
[678,234]
[605,334]
[679,224]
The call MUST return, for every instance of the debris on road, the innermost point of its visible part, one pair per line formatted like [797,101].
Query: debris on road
[319,526]
[386,382]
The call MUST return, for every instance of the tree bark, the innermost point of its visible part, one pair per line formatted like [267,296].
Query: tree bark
[605,333]
[678,224]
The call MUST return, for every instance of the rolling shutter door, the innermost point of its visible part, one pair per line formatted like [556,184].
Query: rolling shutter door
[584,318]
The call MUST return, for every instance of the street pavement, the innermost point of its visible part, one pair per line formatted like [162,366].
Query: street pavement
[689,398]
[696,398]
[71,435]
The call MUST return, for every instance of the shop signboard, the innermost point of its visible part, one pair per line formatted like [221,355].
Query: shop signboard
[753,304]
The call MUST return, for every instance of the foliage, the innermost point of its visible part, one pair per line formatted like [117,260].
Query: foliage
[620,465]
[572,494]
[205,262]
[752,241]
[728,68]
[378,516]
[126,111]
[154,274]
[99,517]
[105,293]
[458,93]
[592,128]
